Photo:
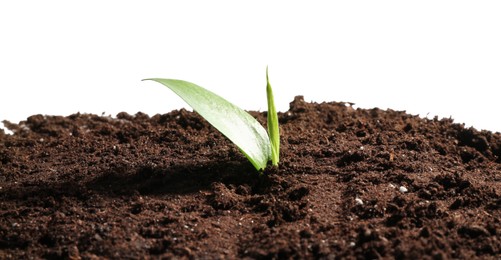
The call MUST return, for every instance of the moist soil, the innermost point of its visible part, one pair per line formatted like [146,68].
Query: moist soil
[351,184]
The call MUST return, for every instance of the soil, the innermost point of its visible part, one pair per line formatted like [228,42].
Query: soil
[352,184]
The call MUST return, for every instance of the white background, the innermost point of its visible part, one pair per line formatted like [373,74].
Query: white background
[426,57]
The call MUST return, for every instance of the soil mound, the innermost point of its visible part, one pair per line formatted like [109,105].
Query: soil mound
[352,183]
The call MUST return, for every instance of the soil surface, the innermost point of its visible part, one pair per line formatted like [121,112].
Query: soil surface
[352,183]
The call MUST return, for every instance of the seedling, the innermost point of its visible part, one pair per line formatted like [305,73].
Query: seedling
[233,122]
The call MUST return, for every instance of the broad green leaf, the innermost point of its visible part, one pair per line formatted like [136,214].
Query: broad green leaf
[233,122]
[273,130]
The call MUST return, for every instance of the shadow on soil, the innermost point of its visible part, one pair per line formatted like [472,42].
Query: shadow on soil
[145,180]
[178,179]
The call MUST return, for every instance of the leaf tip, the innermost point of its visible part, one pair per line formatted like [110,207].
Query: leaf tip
[267,80]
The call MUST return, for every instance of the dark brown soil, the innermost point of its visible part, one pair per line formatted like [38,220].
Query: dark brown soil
[352,183]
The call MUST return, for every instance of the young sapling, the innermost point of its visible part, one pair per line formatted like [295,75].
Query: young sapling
[258,145]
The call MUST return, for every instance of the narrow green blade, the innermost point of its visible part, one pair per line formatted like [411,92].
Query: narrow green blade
[273,130]
[233,122]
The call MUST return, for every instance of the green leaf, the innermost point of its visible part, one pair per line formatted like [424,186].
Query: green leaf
[233,122]
[273,130]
